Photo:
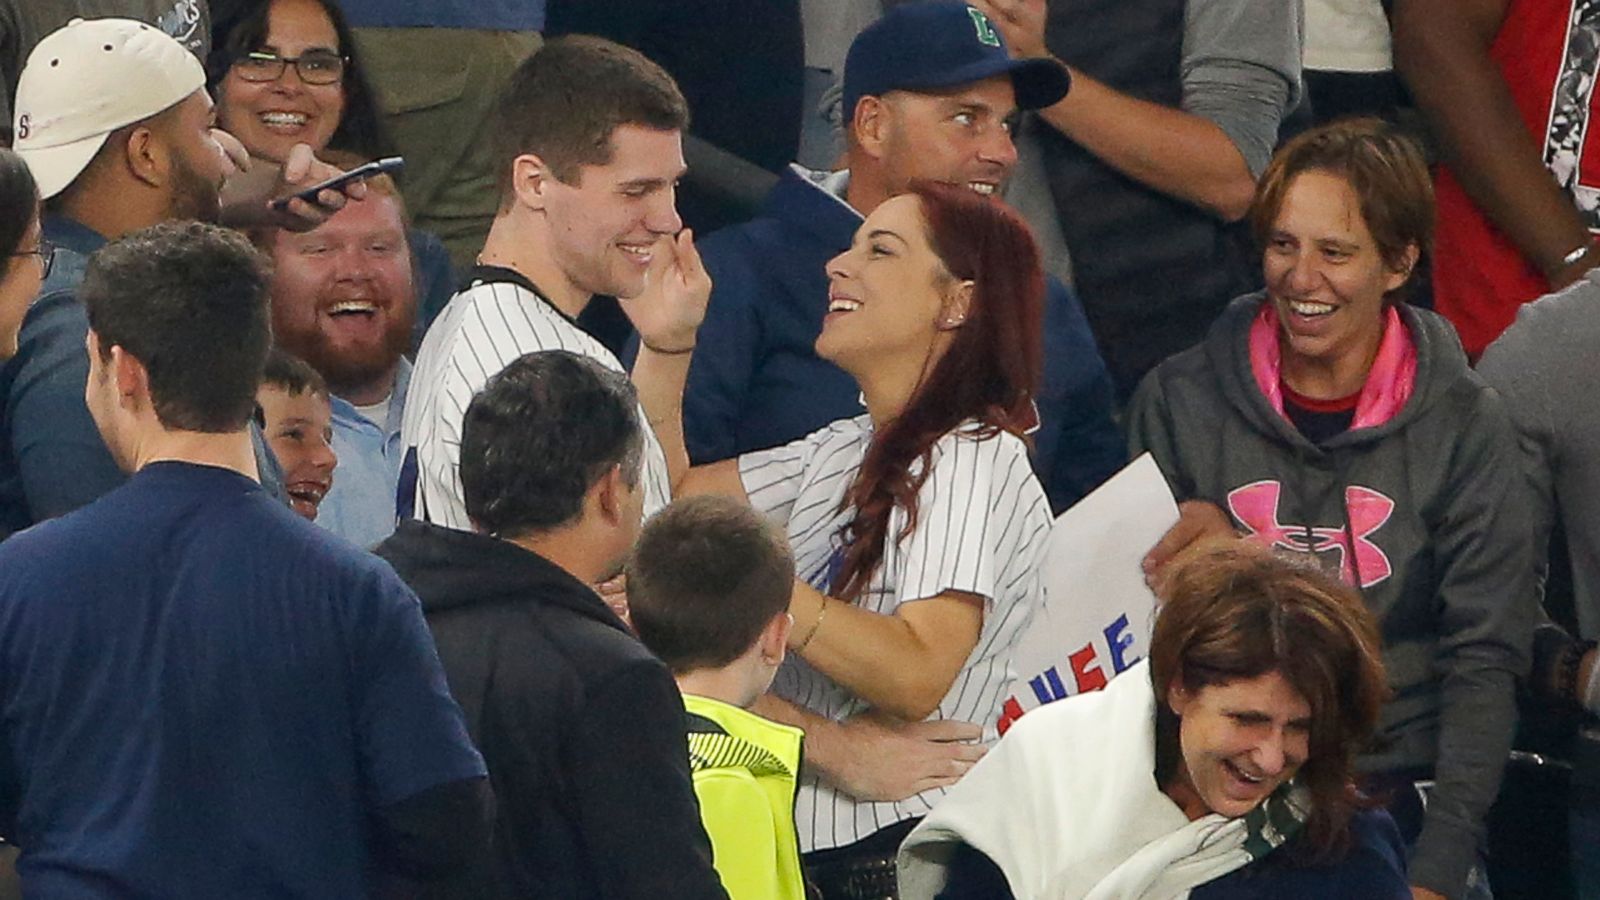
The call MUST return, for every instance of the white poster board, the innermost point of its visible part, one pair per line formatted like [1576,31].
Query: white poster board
[1097,612]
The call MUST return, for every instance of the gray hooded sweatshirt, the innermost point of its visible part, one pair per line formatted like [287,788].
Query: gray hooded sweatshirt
[1441,543]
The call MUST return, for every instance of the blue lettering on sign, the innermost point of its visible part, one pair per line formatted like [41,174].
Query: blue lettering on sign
[1117,636]
[1048,687]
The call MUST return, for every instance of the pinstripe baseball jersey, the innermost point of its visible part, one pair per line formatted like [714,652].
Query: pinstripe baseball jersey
[981,527]
[482,330]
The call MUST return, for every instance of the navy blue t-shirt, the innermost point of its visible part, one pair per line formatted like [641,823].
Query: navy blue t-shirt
[204,695]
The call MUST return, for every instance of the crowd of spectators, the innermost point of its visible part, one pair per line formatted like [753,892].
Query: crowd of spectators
[644,493]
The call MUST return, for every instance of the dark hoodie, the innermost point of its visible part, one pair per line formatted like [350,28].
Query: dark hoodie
[1442,553]
[581,728]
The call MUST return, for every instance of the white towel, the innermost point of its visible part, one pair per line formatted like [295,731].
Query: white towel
[1068,807]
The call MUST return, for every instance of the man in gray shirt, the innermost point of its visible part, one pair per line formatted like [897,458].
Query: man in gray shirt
[1545,366]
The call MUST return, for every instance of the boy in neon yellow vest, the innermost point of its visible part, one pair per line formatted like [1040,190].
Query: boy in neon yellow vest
[708,592]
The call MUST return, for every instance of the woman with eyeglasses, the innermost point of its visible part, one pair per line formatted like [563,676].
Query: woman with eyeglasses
[286,73]
[27,258]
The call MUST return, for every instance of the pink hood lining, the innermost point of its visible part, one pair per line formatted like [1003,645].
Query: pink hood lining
[1389,384]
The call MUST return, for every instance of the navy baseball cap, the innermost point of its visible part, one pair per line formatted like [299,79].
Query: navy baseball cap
[927,46]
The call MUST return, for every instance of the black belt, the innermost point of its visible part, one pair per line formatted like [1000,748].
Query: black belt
[863,870]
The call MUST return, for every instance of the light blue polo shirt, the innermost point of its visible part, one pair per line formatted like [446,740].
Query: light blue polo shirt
[360,505]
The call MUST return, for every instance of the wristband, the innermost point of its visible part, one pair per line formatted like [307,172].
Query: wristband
[662,350]
[1577,254]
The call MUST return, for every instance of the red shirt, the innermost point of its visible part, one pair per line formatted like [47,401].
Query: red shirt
[1479,277]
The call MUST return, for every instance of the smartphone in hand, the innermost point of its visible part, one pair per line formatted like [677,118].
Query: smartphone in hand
[389,165]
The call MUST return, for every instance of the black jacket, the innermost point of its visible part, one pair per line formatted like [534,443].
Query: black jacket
[581,728]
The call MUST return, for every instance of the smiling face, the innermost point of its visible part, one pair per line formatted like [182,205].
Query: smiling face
[271,117]
[1326,280]
[886,294]
[199,165]
[605,226]
[962,137]
[343,297]
[299,429]
[1240,741]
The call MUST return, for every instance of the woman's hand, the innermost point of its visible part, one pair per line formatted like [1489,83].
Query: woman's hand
[884,759]
[249,190]
[1198,520]
[668,313]
[614,592]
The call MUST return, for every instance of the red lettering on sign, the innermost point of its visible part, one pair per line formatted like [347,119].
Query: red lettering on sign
[1010,712]
[1088,679]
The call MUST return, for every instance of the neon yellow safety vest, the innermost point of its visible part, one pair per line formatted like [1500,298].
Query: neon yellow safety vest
[744,775]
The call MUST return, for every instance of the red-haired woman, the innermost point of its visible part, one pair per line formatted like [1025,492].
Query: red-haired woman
[916,528]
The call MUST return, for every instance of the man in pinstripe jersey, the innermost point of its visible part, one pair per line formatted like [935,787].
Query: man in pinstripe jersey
[589,143]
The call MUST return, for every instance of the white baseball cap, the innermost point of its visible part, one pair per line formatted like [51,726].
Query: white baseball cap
[86,80]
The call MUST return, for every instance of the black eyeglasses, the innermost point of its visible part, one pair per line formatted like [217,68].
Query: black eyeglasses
[46,255]
[314,67]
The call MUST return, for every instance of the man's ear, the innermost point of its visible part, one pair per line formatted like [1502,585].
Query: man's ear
[530,178]
[129,376]
[145,155]
[775,638]
[608,495]
[957,301]
[871,124]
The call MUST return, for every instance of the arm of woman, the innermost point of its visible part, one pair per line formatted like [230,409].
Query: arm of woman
[667,316]
[902,664]
[768,480]
[981,523]
[721,478]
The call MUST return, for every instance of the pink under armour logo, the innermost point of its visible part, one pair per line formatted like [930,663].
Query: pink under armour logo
[1256,507]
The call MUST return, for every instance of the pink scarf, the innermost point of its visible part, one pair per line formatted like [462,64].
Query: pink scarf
[1389,383]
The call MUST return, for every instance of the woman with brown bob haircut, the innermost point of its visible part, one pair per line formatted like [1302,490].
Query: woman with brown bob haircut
[1235,612]
[1222,767]
[1327,417]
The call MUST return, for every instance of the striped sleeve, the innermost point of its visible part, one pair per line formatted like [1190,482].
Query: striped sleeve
[772,478]
[484,329]
[965,509]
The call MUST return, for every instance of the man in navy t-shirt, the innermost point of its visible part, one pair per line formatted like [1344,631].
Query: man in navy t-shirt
[201,694]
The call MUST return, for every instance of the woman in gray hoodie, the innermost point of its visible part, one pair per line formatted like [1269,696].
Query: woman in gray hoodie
[1326,416]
